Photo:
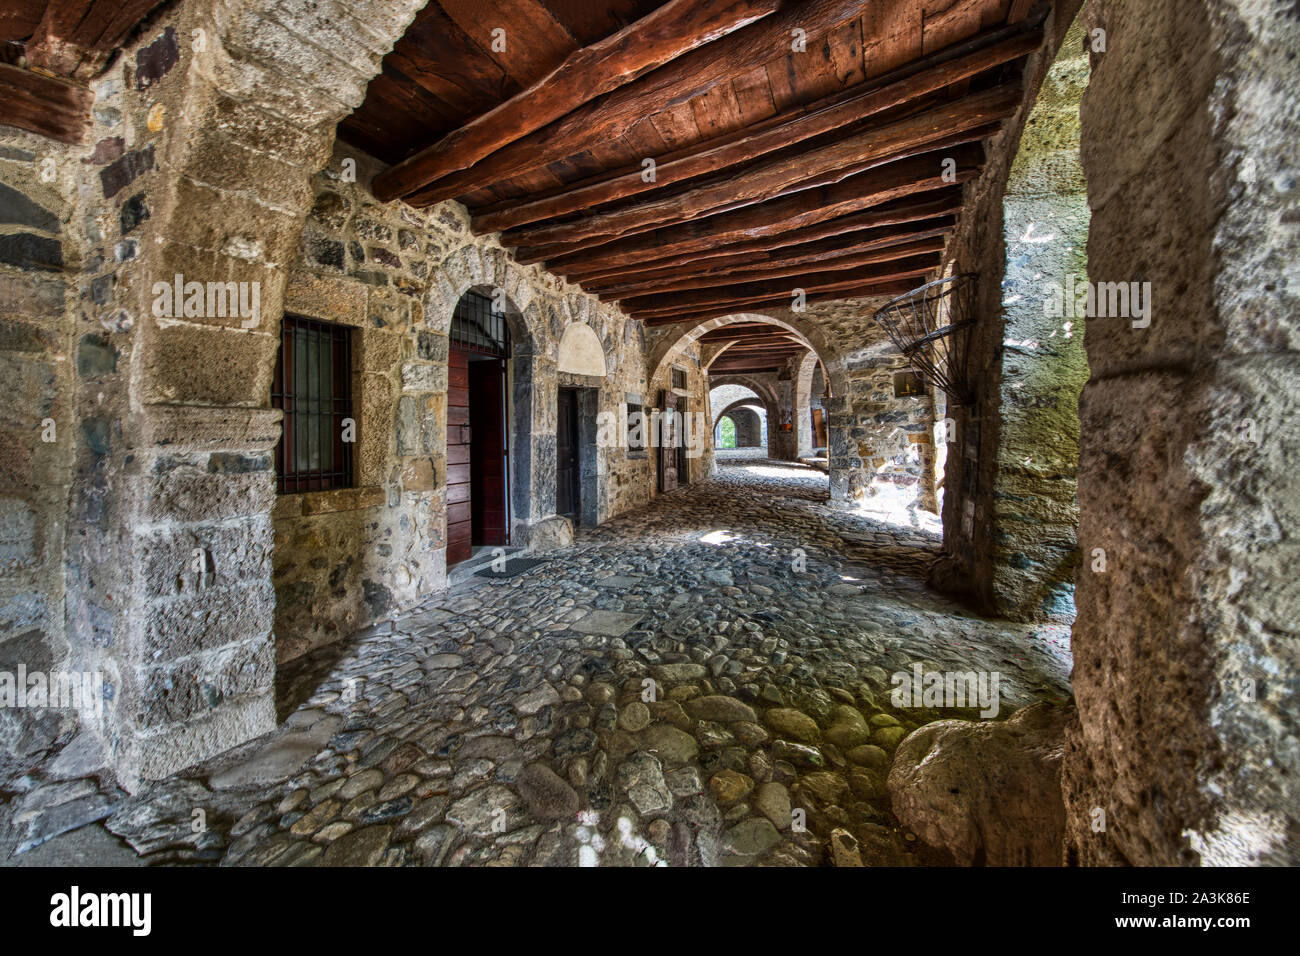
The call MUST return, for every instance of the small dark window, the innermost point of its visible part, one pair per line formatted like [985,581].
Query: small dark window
[679,377]
[637,430]
[313,386]
[478,326]
[907,384]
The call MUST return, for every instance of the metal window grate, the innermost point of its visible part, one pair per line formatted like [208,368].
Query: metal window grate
[636,428]
[313,386]
[477,327]
[931,326]
[679,377]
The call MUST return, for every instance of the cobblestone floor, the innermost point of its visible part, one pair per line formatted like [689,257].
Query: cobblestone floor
[703,682]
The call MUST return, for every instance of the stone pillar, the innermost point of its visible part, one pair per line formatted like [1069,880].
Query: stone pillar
[1008,511]
[1185,658]
[848,480]
[803,433]
[41,360]
[169,573]
[782,439]
[1035,512]
[536,526]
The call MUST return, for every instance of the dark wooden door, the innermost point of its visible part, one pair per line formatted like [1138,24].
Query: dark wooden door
[459,525]
[668,441]
[487,417]
[568,476]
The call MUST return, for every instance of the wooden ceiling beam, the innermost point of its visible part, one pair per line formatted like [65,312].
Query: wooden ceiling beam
[870,225]
[44,104]
[736,363]
[846,258]
[814,282]
[769,345]
[732,358]
[735,366]
[768,352]
[806,208]
[744,334]
[811,252]
[785,173]
[899,87]
[870,289]
[787,349]
[679,80]
[662,36]
[75,38]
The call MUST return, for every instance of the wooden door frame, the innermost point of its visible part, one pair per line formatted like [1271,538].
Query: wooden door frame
[503,381]
[575,480]
[667,400]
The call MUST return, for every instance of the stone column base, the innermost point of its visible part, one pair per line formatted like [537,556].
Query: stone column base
[543,535]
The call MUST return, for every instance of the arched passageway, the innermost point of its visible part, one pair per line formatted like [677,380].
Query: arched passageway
[777,358]
[742,425]
[242,440]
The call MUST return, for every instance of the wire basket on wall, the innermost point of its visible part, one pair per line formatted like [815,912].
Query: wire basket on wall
[930,326]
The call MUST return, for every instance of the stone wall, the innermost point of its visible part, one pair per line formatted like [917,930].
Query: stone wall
[197,166]
[1008,522]
[344,559]
[1185,651]
[881,439]
[699,464]
[749,427]
[40,360]
[1018,557]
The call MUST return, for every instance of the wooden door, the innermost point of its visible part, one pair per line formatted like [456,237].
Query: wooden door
[459,524]
[819,428]
[568,484]
[487,417]
[683,462]
[668,441]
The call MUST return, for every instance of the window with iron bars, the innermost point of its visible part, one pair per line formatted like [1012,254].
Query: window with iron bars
[478,326]
[313,387]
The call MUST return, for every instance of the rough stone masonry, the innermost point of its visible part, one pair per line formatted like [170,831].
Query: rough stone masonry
[1108,521]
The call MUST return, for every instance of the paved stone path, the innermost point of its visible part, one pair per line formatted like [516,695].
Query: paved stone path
[704,682]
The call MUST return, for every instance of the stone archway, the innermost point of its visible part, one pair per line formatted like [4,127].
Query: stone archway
[764,396]
[532,383]
[749,418]
[760,392]
[803,403]
[812,336]
[842,480]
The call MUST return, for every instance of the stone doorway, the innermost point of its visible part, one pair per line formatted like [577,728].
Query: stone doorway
[568,473]
[577,471]
[478,462]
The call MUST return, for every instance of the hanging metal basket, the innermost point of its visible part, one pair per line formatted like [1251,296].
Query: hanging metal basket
[930,326]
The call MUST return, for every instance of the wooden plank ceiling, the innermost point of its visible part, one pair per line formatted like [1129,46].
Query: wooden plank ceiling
[749,347]
[819,169]
[50,49]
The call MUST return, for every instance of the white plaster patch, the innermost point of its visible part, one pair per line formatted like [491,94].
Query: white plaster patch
[581,352]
